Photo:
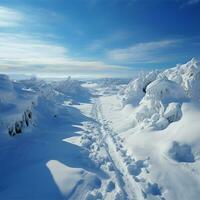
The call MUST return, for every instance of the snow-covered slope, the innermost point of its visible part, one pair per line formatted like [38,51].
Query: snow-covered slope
[188,76]
[87,142]
[156,93]
[72,89]
[42,164]
[16,103]
[20,99]
[136,89]
[160,126]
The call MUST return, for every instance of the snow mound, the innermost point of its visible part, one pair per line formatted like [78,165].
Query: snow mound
[160,107]
[72,89]
[21,102]
[136,89]
[164,90]
[173,112]
[159,95]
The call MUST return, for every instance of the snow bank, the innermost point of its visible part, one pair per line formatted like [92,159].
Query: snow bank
[159,95]
[72,89]
[21,101]
[162,124]
[188,76]
[164,90]
[136,89]
[16,103]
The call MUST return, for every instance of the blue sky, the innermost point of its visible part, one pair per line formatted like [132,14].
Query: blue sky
[97,37]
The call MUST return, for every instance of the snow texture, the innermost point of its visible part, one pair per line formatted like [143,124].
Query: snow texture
[102,139]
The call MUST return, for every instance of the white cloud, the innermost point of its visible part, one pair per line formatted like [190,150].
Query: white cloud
[9,17]
[29,53]
[22,53]
[142,52]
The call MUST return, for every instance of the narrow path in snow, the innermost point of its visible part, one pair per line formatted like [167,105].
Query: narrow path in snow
[127,187]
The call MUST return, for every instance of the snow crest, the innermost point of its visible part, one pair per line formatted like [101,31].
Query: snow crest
[158,96]
[21,101]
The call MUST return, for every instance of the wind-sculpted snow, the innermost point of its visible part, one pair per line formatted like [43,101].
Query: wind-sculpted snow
[154,94]
[188,76]
[164,90]
[136,89]
[161,104]
[19,100]
[158,123]
[16,103]
[83,144]
[158,141]
[72,89]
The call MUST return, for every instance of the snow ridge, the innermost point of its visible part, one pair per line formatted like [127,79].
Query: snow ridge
[159,95]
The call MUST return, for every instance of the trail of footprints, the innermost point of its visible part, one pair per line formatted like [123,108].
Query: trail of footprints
[92,141]
[138,169]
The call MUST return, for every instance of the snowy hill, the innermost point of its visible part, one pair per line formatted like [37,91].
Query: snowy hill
[157,119]
[158,96]
[20,99]
[16,103]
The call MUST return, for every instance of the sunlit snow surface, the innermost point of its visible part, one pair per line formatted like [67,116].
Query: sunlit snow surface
[102,139]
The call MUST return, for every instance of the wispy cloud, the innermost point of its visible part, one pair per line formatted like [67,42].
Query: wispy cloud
[9,17]
[36,53]
[142,52]
[22,53]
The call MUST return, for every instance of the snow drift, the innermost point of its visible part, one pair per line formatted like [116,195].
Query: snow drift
[158,96]
[161,123]
[16,104]
[21,101]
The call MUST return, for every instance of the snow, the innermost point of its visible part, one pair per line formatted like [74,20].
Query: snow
[136,89]
[15,105]
[181,152]
[173,112]
[102,139]
[164,90]
[162,128]
[188,76]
